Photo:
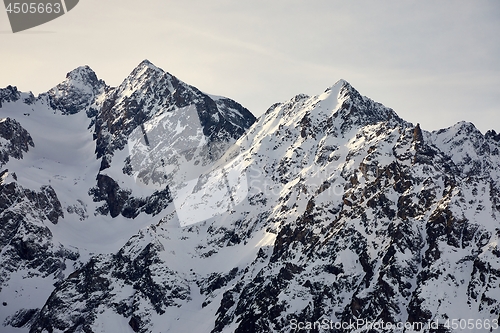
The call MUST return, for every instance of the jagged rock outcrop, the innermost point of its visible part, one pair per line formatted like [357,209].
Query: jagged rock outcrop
[102,281]
[26,241]
[14,140]
[149,92]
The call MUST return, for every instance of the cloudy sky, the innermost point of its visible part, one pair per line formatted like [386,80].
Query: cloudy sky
[433,62]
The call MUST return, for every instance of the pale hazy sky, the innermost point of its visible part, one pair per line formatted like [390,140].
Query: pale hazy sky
[433,62]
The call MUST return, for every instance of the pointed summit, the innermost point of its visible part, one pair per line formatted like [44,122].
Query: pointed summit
[76,92]
[338,86]
[150,94]
[417,134]
[147,63]
[348,91]
[358,110]
[343,90]
[146,66]
[146,77]
[83,75]
[342,83]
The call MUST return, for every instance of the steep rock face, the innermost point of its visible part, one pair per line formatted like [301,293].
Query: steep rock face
[135,283]
[80,91]
[14,140]
[28,249]
[381,253]
[378,235]
[472,152]
[167,126]
[149,92]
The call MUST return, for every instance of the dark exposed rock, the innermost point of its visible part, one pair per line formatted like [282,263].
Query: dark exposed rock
[222,120]
[491,134]
[135,323]
[108,190]
[417,134]
[18,140]
[77,93]
[25,239]
[119,201]
[46,201]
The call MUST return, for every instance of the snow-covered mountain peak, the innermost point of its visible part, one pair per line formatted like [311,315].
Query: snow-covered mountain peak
[11,94]
[77,92]
[147,76]
[147,81]
[83,75]
[81,80]
[342,82]
[148,64]
[357,110]
[465,126]
[339,109]
[145,70]
[341,88]
[457,134]
[469,149]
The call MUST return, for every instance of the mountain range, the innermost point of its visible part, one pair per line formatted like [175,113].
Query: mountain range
[156,207]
